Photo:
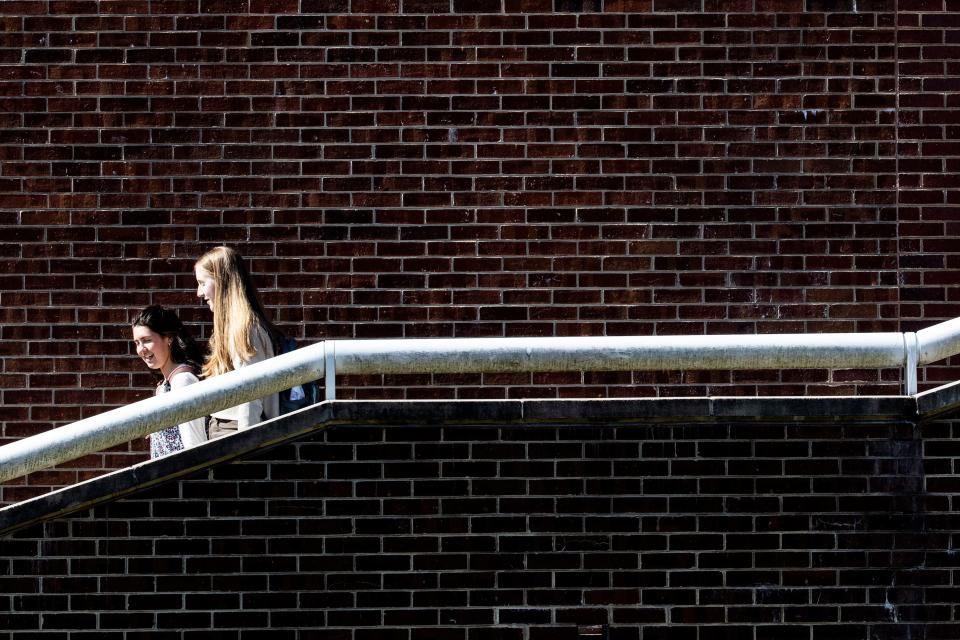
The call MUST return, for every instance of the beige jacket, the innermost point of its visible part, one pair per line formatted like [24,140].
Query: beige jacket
[255,411]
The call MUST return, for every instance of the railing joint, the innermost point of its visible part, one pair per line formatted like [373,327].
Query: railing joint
[330,369]
[912,353]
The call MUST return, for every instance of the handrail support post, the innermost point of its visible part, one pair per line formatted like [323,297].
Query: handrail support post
[912,349]
[330,369]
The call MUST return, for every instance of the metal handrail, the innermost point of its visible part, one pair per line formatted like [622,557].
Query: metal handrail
[325,360]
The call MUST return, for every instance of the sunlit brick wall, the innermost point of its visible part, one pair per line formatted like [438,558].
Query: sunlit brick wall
[419,169]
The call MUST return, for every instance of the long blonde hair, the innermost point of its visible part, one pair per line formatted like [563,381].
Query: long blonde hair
[237,312]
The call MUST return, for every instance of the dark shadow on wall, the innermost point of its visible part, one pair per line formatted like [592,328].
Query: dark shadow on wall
[793,518]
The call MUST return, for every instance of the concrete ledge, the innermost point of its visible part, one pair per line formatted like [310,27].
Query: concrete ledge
[938,402]
[718,409]
[325,415]
[844,408]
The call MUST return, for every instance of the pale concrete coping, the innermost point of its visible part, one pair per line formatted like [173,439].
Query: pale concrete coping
[638,412]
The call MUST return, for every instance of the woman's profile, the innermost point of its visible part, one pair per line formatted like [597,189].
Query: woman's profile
[242,333]
[166,347]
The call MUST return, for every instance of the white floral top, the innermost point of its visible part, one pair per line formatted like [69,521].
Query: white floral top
[183,436]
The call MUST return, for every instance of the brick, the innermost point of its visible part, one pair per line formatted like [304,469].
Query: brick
[405,170]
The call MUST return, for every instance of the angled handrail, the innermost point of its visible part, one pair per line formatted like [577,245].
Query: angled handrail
[938,341]
[138,419]
[325,360]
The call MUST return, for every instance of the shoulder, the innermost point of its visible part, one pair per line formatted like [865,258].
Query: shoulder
[260,338]
[183,379]
[259,331]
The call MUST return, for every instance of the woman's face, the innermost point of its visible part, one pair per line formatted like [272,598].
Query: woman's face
[206,287]
[153,349]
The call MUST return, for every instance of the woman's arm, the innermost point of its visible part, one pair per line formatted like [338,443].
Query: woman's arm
[193,432]
[254,412]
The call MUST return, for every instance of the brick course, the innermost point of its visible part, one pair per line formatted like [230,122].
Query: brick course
[809,529]
[425,169]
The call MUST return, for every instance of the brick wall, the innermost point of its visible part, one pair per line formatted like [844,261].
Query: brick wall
[809,530]
[411,169]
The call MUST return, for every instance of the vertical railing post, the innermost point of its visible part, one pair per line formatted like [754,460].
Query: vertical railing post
[330,369]
[912,348]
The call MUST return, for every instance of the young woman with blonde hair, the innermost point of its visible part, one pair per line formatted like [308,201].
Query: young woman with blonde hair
[242,333]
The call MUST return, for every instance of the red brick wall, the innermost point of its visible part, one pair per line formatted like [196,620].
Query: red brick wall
[676,531]
[409,169]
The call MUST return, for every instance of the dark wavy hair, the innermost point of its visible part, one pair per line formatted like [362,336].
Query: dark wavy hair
[164,321]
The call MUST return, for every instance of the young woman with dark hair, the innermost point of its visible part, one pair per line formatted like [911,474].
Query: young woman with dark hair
[164,345]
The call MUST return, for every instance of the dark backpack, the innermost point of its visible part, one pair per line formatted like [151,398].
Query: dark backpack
[302,395]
